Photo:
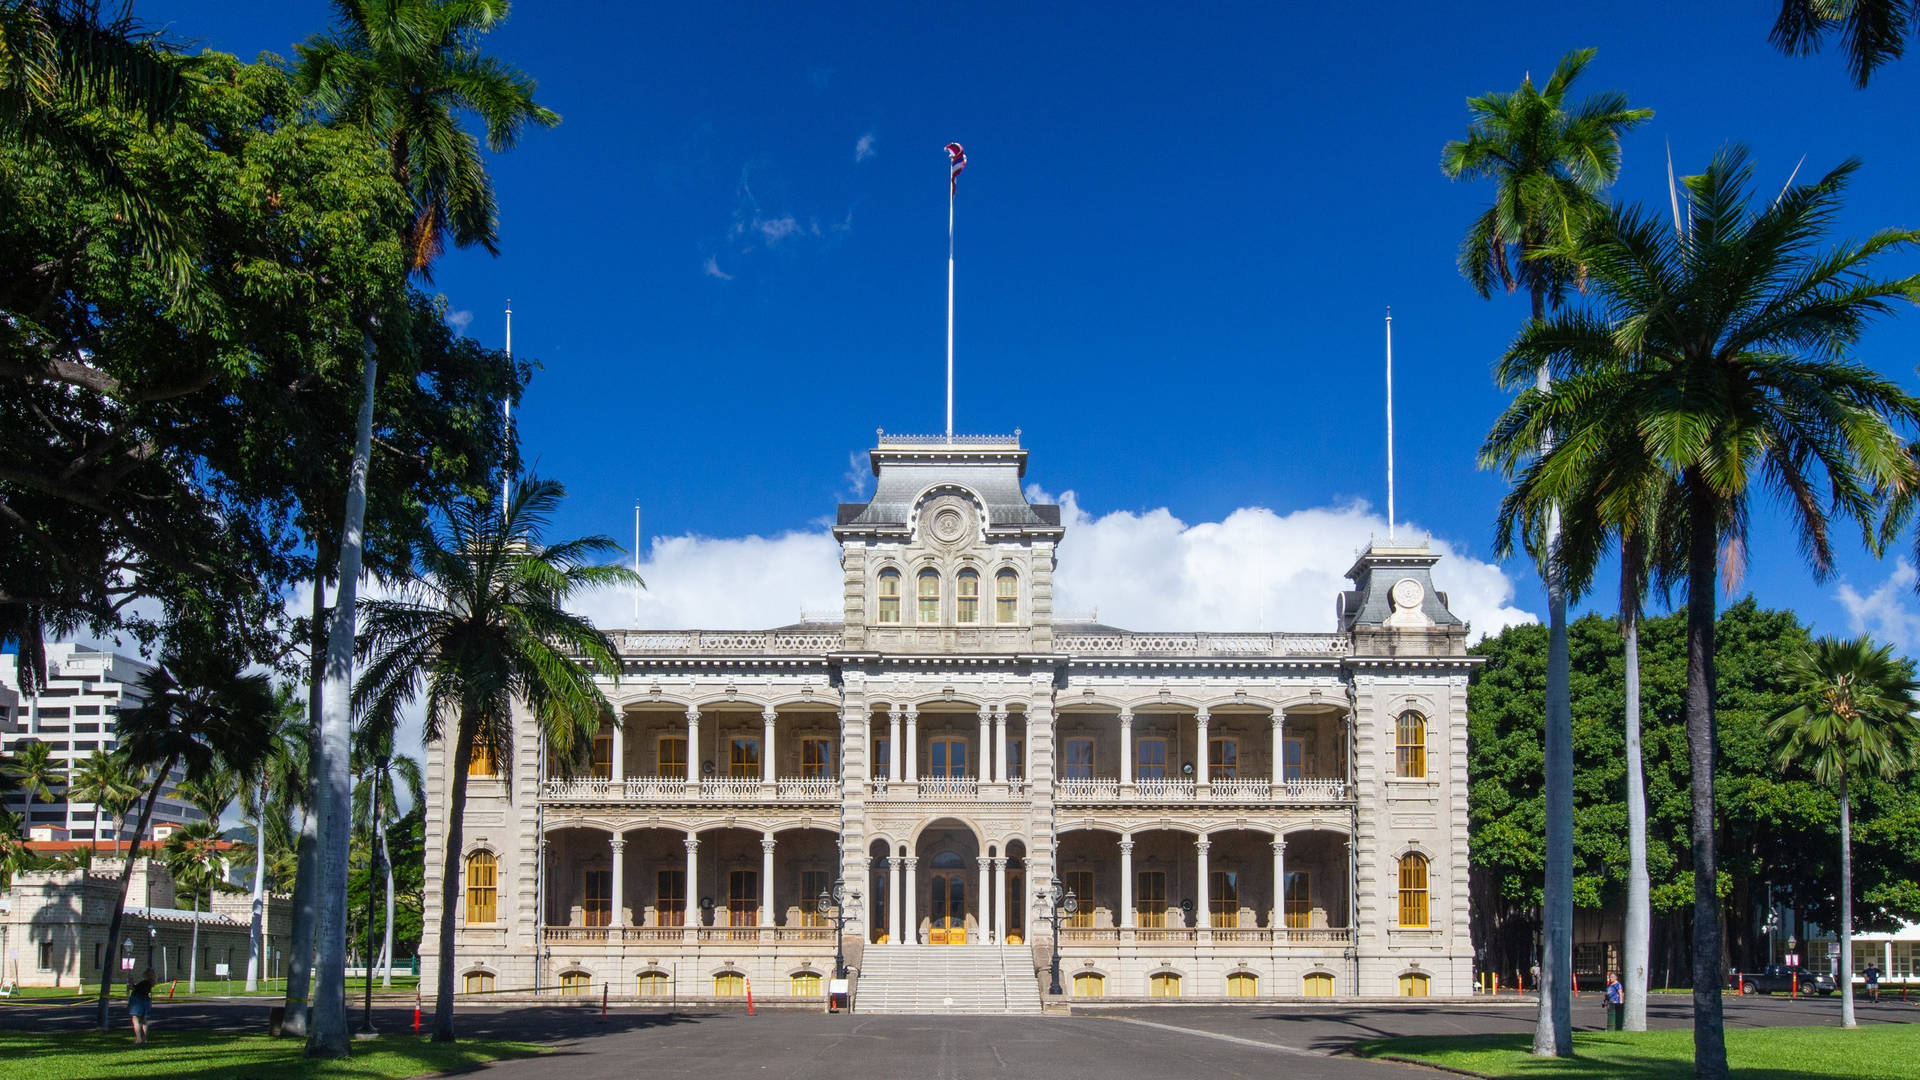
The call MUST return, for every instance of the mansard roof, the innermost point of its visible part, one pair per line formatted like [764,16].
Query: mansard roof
[908,467]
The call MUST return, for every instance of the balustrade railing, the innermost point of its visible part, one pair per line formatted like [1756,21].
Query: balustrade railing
[730,787]
[940,787]
[1075,788]
[1123,643]
[674,788]
[1314,790]
[1165,788]
[808,787]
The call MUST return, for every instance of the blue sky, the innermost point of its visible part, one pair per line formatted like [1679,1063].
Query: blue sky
[1176,238]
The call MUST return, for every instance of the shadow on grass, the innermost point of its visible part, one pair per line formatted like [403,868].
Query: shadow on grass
[219,1056]
[1781,1053]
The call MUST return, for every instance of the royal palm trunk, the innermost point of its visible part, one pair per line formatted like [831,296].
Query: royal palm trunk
[1709,1028]
[450,880]
[126,876]
[1639,903]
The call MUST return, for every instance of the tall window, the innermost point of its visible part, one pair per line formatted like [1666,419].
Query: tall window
[743,897]
[670,898]
[967,593]
[1081,882]
[929,597]
[946,758]
[1150,899]
[1243,984]
[482,762]
[812,884]
[743,757]
[1413,890]
[1293,759]
[1411,743]
[882,757]
[483,883]
[1078,764]
[672,756]
[603,757]
[596,898]
[816,757]
[1223,758]
[889,596]
[1150,759]
[1413,985]
[1223,897]
[1016,761]
[1006,596]
[1299,911]
[1163,984]
[653,984]
[1316,984]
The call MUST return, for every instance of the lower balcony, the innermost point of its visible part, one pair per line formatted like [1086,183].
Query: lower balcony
[1318,936]
[1315,791]
[605,935]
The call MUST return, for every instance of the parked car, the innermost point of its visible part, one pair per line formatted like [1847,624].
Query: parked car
[1779,979]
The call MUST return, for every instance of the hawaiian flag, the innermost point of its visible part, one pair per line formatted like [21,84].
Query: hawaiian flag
[957,159]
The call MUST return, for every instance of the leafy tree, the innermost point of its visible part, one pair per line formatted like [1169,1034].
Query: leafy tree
[485,624]
[1548,164]
[1734,332]
[201,711]
[110,783]
[1872,32]
[1857,717]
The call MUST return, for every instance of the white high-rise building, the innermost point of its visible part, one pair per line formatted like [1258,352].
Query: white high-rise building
[76,713]
[1267,815]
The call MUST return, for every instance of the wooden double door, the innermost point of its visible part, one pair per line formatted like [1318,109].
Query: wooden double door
[947,907]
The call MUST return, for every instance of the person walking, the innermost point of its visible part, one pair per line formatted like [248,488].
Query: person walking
[1616,1006]
[140,1005]
[1872,977]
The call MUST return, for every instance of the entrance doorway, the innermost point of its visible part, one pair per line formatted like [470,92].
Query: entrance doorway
[947,896]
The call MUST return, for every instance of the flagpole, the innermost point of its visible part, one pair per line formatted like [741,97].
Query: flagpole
[636,561]
[951,188]
[506,411]
[1390,514]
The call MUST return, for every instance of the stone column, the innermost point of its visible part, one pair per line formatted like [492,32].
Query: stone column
[893,745]
[983,750]
[1279,777]
[1203,753]
[691,917]
[1000,900]
[1126,881]
[618,770]
[1279,886]
[912,749]
[766,879]
[985,904]
[893,899]
[1002,767]
[693,755]
[1126,752]
[767,716]
[910,903]
[619,845]
[1203,903]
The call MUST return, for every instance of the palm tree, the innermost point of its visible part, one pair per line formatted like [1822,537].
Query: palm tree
[193,858]
[1722,348]
[1872,32]
[400,70]
[36,771]
[1857,717]
[200,710]
[485,624]
[1548,164]
[108,782]
[15,856]
[382,772]
[281,783]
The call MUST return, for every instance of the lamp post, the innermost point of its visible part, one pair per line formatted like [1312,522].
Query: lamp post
[1060,899]
[834,900]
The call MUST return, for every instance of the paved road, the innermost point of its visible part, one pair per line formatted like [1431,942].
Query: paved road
[1301,1041]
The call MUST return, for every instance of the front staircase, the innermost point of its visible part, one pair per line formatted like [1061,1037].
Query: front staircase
[947,979]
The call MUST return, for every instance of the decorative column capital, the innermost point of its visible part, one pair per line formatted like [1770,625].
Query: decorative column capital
[693,714]
[984,862]
[768,845]
[693,844]
[1279,847]
[894,862]
[1279,719]
[769,714]
[911,861]
[619,844]
[999,863]
[1126,847]
[986,714]
[1126,716]
[1202,845]
[1000,713]
[910,713]
[1200,716]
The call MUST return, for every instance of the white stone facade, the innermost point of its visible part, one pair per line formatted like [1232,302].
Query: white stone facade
[950,747]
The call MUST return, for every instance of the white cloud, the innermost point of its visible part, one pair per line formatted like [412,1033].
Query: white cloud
[1889,612]
[712,269]
[734,583]
[460,320]
[863,149]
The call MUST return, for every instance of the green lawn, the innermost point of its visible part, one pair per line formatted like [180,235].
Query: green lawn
[1873,1052]
[356,989]
[224,1056]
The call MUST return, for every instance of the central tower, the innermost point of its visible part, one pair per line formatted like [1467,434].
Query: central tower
[948,556]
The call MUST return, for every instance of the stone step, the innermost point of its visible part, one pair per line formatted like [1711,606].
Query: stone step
[948,979]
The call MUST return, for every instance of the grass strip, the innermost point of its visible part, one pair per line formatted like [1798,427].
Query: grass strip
[233,1056]
[1872,1052]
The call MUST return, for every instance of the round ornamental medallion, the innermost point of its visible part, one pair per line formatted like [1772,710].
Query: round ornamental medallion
[1407,593]
[949,524]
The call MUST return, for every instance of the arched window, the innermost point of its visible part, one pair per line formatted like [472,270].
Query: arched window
[1243,984]
[967,592]
[929,597]
[483,886]
[653,984]
[1163,984]
[1413,984]
[478,982]
[805,984]
[889,595]
[1089,984]
[1006,596]
[729,984]
[575,982]
[1413,889]
[1316,984]
[1410,740]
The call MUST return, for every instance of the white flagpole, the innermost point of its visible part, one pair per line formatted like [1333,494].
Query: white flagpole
[1390,424]
[951,189]
[506,410]
[636,562]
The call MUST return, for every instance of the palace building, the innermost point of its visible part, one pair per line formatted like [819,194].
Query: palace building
[1265,815]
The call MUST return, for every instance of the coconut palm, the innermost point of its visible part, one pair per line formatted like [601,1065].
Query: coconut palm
[1872,32]
[36,771]
[110,783]
[281,784]
[200,710]
[1722,348]
[375,803]
[402,71]
[483,625]
[194,859]
[1548,162]
[1857,717]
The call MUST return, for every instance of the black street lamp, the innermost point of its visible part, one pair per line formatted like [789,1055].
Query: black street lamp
[1062,900]
[834,900]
